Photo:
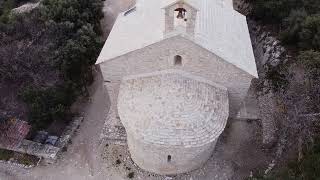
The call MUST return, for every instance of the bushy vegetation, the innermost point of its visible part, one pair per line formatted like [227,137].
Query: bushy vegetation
[306,169]
[47,105]
[49,54]
[77,23]
[25,159]
[5,8]
[299,20]
[5,155]
[311,62]
[77,47]
[298,25]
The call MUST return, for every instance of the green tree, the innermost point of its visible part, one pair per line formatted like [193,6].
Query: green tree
[293,25]
[310,33]
[311,61]
[63,44]
[47,104]
[274,11]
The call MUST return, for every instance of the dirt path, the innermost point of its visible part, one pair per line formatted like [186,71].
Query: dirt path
[82,159]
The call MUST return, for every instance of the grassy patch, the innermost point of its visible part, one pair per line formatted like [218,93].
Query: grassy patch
[26,159]
[5,155]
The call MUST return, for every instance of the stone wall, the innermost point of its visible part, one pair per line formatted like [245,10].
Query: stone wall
[267,49]
[195,60]
[182,159]
[242,6]
[69,131]
[19,165]
[37,149]
[173,119]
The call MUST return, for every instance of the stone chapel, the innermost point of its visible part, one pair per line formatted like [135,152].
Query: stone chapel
[175,71]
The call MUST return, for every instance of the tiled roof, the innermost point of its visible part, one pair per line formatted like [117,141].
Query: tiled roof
[13,132]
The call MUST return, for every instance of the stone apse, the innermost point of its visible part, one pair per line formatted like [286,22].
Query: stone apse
[172,119]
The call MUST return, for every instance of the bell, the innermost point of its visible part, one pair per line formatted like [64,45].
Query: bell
[181,13]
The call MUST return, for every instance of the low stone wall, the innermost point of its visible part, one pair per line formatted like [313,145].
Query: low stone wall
[12,163]
[68,133]
[37,149]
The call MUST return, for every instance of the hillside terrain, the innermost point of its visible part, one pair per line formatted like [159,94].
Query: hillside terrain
[293,81]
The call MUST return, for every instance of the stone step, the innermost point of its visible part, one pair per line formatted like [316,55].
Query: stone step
[115,135]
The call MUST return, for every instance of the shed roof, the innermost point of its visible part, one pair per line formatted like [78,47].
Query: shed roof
[219,29]
[13,132]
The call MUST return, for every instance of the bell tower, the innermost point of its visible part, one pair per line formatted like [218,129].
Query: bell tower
[180,18]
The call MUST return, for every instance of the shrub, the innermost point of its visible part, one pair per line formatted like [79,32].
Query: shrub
[298,20]
[293,25]
[5,8]
[273,11]
[47,105]
[79,43]
[72,29]
[26,159]
[278,79]
[311,62]
[307,168]
[310,33]
[79,12]
[130,175]
[5,155]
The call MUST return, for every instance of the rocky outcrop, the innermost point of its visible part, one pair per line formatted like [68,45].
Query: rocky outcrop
[242,6]
[26,8]
[268,52]
[267,109]
[267,49]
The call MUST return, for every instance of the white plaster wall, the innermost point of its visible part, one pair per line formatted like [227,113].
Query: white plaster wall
[160,56]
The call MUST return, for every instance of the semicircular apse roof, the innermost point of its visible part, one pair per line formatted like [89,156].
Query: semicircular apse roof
[172,108]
